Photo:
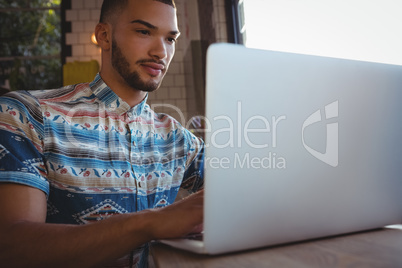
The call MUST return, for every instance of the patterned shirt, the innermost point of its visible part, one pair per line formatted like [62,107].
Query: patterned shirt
[92,154]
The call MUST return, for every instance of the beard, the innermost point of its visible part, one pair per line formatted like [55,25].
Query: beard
[132,78]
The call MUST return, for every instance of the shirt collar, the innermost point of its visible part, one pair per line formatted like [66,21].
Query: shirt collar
[113,102]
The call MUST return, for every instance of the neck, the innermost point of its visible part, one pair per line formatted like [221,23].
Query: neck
[125,92]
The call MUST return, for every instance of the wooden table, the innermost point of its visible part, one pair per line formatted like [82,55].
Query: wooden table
[378,248]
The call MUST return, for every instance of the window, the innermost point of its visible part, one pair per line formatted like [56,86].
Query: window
[354,29]
[30,44]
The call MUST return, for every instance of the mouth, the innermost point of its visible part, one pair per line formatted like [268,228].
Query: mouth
[152,68]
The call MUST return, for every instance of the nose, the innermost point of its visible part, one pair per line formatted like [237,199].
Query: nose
[159,49]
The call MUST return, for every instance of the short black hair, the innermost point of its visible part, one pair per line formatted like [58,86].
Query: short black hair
[110,7]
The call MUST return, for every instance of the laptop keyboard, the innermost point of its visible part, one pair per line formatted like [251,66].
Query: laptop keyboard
[198,236]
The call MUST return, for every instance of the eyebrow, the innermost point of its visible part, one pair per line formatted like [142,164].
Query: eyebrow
[151,26]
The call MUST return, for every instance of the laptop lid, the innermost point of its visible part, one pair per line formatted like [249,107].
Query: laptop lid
[298,147]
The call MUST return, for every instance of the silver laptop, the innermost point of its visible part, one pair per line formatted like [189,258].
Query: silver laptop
[297,147]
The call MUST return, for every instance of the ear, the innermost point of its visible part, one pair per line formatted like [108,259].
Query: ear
[103,35]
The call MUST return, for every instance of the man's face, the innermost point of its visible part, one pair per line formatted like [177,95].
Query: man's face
[143,43]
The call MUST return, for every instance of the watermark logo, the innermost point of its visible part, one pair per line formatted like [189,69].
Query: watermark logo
[256,132]
[330,156]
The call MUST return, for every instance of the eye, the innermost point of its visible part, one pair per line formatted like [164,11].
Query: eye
[172,40]
[144,32]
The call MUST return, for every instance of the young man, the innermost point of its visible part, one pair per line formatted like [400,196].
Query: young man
[87,171]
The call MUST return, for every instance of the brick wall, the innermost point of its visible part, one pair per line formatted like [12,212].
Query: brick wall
[83,16]
[172,97]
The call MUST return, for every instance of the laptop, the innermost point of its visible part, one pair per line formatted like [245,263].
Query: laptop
[298,147]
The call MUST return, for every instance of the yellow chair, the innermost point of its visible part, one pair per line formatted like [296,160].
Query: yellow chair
[79,72]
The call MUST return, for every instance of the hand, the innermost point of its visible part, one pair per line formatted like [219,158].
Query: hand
[181,218]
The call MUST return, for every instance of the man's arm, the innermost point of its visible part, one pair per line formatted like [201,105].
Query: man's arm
[26,240]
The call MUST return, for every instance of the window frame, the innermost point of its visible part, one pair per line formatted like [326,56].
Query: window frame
[235,14]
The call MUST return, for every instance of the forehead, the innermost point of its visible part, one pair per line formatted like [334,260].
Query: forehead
[154,12]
